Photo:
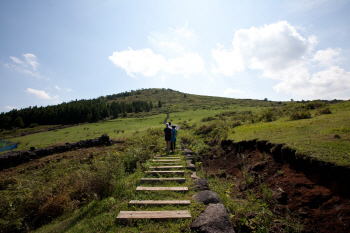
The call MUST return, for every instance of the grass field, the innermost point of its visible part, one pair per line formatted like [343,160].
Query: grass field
[117,128]
[324,137]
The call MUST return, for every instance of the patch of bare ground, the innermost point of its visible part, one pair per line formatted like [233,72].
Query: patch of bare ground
[319,199]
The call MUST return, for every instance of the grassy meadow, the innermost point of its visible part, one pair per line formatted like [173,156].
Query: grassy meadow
[84,190]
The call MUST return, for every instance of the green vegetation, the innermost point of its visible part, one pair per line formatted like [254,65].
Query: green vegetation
[84,190]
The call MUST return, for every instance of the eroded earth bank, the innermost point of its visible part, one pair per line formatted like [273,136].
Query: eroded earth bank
[315,193]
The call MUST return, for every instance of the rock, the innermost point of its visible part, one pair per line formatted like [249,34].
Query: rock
[207,197]
[194,176]
[251,215]
[280,195]
[191,167]
[190,158]
[214,219]
[201,184]
[187,151]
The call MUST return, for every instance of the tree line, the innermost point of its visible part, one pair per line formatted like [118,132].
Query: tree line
[73,112]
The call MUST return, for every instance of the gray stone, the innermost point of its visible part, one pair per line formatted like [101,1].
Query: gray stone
[214,219]
[191,167]
[280,195]
[201,184]
[187,151]
[207,197]
[190,158]
[194,176]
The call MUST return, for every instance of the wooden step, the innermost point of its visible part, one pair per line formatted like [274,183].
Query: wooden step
[165,172]
[160,202]
[180,189]
[166,160]
[179,180]
[123,215]
[167,157]
[166,167]
[172,163]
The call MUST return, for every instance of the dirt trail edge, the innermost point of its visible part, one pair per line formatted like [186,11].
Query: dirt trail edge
[316,192]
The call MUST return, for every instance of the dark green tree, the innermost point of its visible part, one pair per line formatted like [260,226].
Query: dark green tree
[18,122]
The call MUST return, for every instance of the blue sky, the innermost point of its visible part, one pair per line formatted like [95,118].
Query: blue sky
[56,51]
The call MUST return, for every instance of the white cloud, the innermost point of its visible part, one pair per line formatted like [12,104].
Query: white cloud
[148,64]
[10,107]
[184,32]
[31,60]
[29,66]
[57,88]
[274,49]
[172,46]
[16,60]
[68,89]
[281,53]
[38,93]
[326,84]
[327,57]
[177,40]
[143,61]
[190,63]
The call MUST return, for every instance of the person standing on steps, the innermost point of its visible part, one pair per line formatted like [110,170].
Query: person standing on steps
[167,134]
[173,138]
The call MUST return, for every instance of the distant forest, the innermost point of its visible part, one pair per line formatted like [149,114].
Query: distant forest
[78,111]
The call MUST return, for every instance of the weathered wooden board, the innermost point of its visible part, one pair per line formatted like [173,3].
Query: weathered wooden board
[153,214]
[165,172]
[167,157]
[166,167]
[160,202]
[172,163]
[185,189]
[179,180]
[166,160]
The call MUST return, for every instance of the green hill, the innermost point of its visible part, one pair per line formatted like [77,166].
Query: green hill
[83,190]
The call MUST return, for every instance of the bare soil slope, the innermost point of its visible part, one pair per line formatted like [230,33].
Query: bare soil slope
[320,200]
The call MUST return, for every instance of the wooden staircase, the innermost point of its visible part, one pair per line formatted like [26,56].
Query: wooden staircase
[163,165]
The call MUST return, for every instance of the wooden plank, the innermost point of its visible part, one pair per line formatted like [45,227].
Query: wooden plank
[165,172]
[166,160]
[167,157]
[179,180]
[184,189]
[172,163]
[166,167]
[160,202]
[153,214]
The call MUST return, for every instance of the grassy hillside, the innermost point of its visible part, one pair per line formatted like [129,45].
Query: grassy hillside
[182,108]
[84,190]
[324,137]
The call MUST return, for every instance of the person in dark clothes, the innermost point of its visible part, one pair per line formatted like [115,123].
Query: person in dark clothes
[167,134]
[173,138]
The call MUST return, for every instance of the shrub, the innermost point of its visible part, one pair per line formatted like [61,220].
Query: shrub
[323,111]
[33,125]
[268,114]
[210,118]
[297,115]
[205,129]
[236,123]
[315,104]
